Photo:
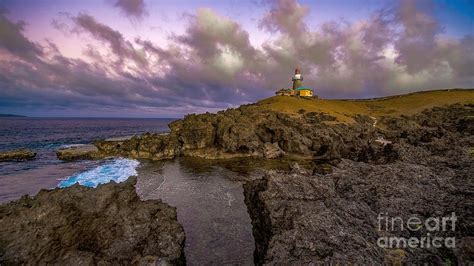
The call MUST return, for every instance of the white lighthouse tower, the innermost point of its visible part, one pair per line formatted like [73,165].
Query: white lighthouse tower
[297,79]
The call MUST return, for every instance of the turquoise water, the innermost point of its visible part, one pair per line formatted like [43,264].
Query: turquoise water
[45,135]
[117,170]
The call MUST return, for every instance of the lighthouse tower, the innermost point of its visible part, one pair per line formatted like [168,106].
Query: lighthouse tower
[297,79]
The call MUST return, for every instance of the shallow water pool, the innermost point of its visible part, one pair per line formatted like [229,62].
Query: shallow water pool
[210,206]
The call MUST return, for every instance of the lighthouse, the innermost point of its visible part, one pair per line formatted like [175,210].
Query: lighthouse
[297,79]
[297,90]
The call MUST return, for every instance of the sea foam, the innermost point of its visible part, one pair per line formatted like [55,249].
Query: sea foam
[117,170]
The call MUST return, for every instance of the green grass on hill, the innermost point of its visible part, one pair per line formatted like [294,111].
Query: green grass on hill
[344,110]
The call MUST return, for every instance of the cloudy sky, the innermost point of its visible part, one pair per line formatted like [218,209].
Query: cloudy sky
[140,58]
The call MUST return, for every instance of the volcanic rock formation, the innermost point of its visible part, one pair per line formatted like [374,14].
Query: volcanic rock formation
[108,225]
[309,216]
[249,131]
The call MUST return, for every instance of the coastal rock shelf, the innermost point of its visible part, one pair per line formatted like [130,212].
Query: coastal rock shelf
[300,218]
[80,225]
[17,155]
[78,152]
[248,131]
[333,216]
[268,130]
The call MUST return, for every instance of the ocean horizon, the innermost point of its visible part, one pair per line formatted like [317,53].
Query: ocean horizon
[45,135]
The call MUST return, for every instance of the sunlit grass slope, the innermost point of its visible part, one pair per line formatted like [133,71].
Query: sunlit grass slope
[344,110]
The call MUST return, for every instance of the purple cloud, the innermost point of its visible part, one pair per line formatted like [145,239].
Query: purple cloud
[132,8]
[213,64]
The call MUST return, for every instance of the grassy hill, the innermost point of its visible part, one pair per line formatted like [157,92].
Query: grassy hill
[343,110]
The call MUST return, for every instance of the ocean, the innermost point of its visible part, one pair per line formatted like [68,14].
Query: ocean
[45,136]
[208,195]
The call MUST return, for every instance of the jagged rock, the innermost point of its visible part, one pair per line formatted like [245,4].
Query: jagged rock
[247,131]
[330,215]
[147,146]
[300,218]
[272,151]
[17,155]
[76,153]
[108,225]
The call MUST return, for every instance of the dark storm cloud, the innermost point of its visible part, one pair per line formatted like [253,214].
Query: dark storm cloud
[12,39]
[47,78]
[132,8]
[209,61]
[214,65]
[52,80]
[119,46]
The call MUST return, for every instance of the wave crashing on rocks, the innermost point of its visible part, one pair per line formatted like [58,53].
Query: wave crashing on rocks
[117,170]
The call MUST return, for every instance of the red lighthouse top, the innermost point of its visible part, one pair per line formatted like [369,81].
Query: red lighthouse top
[297,71]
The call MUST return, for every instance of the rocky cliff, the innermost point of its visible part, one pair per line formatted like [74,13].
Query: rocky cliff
[251,131]
[418,164]
[320,129]
[306,216]
[108,225]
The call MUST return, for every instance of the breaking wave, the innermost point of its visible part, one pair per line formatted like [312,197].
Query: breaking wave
[117,170]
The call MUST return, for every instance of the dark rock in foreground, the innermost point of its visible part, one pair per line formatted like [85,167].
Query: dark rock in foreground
[80,225]
[17,155]
[302,217]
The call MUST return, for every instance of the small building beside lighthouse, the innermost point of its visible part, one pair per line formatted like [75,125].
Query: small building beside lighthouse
[304,92]
[297,89]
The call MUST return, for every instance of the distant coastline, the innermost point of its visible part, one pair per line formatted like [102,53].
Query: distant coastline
[11,115]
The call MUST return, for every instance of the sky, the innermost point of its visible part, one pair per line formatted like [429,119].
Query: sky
[143,58]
